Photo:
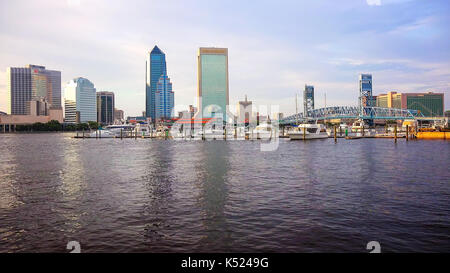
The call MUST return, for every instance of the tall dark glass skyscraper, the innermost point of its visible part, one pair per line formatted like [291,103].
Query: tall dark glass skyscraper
[105,107]
[155,68]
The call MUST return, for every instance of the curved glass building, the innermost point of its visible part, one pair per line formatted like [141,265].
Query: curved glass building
[80,101]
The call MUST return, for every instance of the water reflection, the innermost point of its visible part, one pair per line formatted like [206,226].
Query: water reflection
[158,180]
[198,196]
[212,174]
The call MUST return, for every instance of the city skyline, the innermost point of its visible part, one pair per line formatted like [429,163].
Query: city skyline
[269,60]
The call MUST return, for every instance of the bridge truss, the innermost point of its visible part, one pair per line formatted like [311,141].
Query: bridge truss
[353,112]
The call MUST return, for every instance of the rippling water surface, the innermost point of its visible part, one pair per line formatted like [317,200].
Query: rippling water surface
[146,195]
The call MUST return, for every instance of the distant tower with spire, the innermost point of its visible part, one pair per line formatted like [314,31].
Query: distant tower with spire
[245,112]
[155,69]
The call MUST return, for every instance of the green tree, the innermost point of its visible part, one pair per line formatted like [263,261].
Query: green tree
[93,125]
[38,126]
[53,125]
[82,126]
[70,127]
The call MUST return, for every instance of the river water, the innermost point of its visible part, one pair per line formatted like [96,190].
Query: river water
[145,195]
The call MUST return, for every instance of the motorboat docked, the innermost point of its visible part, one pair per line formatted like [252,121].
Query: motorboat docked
[263,131]
[213,133]
[358,126]
[308,131]
[143,130]
[111,131]
[341,130]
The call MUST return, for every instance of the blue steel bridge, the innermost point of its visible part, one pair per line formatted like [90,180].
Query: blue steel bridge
[353,112]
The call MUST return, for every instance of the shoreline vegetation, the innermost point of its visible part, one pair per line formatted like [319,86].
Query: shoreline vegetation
[56,126]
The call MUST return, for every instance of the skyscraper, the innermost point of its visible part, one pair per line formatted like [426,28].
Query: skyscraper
[365,90]
[213,81]
[308,100]
[155,68]
[164,98]
[32,83]
[105,107]
[80,101]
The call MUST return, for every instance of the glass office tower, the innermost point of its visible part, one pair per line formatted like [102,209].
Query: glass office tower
[32,83]
[80,101]
[155,68]
[105,107]
[213,81]
[164,99]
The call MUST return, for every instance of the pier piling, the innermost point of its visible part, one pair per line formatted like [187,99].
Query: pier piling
[407,132]
[395,133]
[335,139]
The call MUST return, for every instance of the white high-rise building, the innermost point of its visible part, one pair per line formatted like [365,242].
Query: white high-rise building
[80,101]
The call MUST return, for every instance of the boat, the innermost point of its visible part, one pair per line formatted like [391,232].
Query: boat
[341,130]
[308,131]
[263,131]
[143,130]
[358,126]
[112,131]
[161,131]
[102,133]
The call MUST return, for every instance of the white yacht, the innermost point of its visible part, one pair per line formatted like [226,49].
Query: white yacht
[111,131]
[340,130]
[358,126]
[308,131]
[263,131]
[143,130]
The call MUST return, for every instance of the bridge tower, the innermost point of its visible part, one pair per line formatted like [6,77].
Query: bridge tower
[308,100]
[365,95]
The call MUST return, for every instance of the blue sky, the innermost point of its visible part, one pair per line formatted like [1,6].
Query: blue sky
[275,47]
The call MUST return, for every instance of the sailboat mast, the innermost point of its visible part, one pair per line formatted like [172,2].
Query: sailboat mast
[296,109]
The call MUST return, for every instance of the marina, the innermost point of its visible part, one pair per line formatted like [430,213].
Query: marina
[265,132]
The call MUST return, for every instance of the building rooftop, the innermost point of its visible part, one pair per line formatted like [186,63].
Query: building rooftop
[156,50]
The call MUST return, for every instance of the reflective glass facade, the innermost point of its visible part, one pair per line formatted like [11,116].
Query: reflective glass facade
[164,101]
[81,97]
[32,82]
[156,67]
[105,107]
[213,81]
[430,105]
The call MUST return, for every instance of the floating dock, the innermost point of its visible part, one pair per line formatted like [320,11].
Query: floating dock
[433,135]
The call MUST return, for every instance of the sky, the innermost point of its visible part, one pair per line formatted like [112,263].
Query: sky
[274,47]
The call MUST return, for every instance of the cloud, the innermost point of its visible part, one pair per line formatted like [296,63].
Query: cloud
[373,2]
[273,50]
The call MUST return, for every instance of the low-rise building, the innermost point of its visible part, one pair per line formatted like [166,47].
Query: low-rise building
[8,123]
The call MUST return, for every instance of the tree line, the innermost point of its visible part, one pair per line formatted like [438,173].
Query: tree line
[56,126]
